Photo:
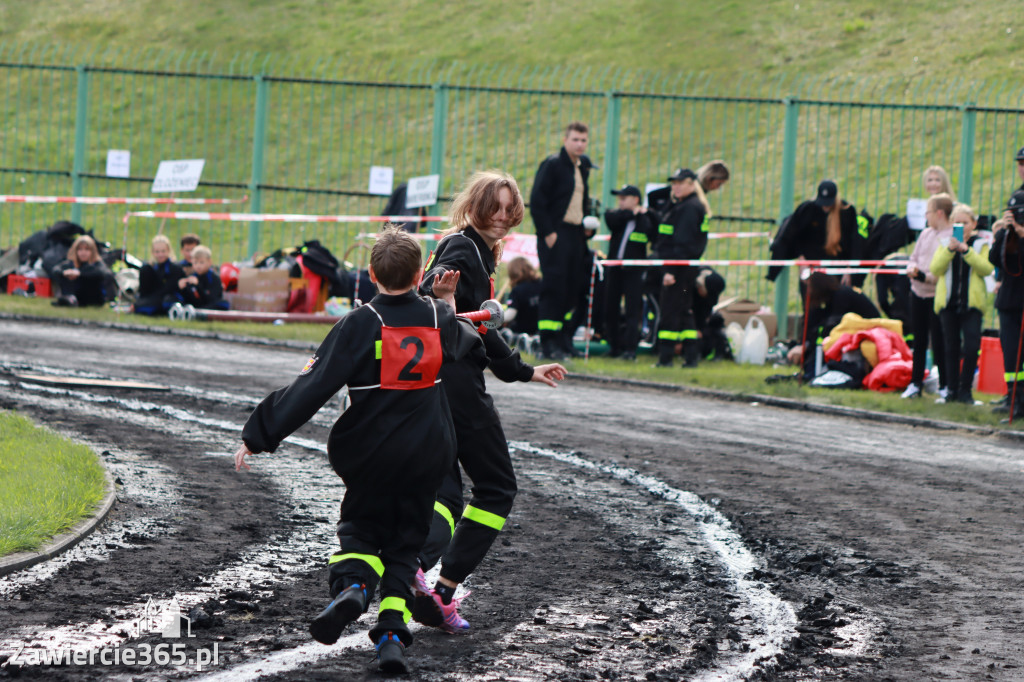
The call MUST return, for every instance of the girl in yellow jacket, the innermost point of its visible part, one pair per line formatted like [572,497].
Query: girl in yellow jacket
[960,268]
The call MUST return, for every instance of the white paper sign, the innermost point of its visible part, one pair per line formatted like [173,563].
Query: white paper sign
[915,213]
[422,191]
[650,187]
[119,163]
[382,180]
[178,176]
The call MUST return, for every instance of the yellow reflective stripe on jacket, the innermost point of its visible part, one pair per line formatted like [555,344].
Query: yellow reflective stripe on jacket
[1012,376]
[430,261]
[637,237]
[484,518]
[377,349]
[375,563]
[446,514]
[549,325]
[395,604]
[705,224]
[665,228]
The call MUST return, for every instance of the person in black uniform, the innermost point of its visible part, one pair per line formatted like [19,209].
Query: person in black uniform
[481,215]
[203,288]
[558,203]
[682,235]
[823,228]
[83,279]
[158,281]
[1007,254]
[521,315]
[631,229]
[391,447]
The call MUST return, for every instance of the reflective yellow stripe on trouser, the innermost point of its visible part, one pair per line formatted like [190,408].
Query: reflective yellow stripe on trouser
[445,514]
[1011,376]
[395,604]
[685,335]
[549,326]
[484,518]
[375,563]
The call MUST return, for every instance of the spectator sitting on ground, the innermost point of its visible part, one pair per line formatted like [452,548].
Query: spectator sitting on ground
[188,244]
[82,279]
[203,288]
[827,302]
[158,280]
[523,309]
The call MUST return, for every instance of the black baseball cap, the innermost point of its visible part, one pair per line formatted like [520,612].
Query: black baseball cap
[627,191]
[1020,154]
[682,174]
[827,192]
[1016,201]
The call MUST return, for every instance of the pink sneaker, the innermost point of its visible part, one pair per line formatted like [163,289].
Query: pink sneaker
[419,586]
[453,623]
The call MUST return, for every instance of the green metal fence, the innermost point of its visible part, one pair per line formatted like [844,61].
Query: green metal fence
[304,142]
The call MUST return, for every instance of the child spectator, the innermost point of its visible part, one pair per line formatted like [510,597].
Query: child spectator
[924,321]
[188,243]
[523,310]
[83,279]
[389,352]
[1008,255]
[203,288]
[961,268]
[158,281]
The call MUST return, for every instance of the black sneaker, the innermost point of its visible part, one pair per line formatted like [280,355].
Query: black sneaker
[391,655]
[346,608]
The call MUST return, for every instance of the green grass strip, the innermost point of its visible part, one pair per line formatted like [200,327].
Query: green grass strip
[47,484]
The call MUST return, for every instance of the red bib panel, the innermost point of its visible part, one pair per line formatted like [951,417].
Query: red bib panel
[410,357]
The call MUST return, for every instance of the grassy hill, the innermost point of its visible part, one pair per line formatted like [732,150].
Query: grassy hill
[944,39]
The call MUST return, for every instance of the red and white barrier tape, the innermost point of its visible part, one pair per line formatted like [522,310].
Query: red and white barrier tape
[860,271]
[722,263]
[31,199]
[711,235]
[281,217]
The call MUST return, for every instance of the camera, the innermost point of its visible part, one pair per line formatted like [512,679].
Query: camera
[1018,214]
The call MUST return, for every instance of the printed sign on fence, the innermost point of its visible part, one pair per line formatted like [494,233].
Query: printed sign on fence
[422,191]
[382,180]
[178,176]
[524,245]
[119,163]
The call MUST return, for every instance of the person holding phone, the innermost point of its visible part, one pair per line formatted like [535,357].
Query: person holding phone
[960,269]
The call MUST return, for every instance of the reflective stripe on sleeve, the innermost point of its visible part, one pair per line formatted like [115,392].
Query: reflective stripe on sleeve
[549,326]
[484,518]
[446,514]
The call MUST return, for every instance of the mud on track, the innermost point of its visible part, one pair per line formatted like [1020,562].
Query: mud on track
[655,536]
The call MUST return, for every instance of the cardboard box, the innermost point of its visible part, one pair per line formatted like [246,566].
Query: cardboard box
[261,291]
[41,285]
[739,310]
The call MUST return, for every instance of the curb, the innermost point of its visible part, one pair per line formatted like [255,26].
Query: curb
[64,541]
[773,401]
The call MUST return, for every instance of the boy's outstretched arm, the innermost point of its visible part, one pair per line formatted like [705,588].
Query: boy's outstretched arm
[240,455]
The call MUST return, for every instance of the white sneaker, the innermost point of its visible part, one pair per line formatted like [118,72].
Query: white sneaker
[940,400]
[943,393]
[912,391]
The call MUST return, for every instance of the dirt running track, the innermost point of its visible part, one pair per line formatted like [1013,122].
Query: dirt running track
[656,536]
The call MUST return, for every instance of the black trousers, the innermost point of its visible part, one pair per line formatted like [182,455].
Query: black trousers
[926,328]
[962,333]
[564,281]
[484,456]
[1009,342]
[677,322]
[88,290]
[623,285]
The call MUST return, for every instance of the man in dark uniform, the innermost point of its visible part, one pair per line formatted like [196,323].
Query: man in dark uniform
[631,229]
[558,203]
[391,447]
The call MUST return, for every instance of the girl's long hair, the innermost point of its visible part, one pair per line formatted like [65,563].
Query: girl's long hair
[947,186]
[478,201]
[833,228]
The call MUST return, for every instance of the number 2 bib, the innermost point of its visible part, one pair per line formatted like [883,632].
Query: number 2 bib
[410,357]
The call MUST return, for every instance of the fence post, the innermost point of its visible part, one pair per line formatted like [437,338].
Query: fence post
[437,141]
[259,135]
[611,153]
[78,163]
[786,206]
[970,116]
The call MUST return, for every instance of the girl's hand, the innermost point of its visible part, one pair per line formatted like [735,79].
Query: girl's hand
[668,279]
[444,286]
[240,456]
[549,374]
